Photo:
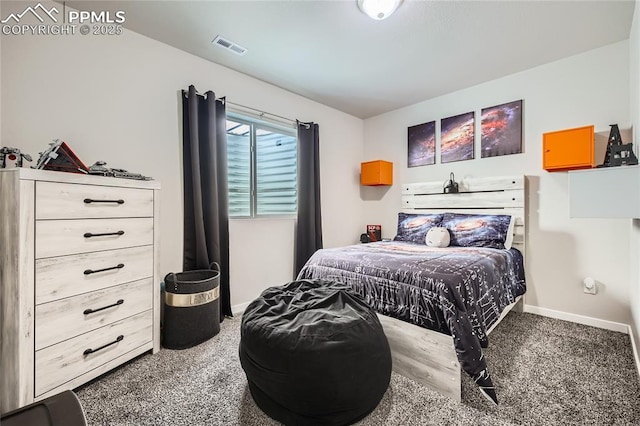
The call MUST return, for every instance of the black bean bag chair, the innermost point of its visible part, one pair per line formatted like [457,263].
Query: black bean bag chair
[62,409]
[314,354]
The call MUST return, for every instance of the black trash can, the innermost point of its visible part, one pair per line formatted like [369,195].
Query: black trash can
[191,307]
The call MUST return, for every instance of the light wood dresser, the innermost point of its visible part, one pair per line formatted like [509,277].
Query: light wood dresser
[79,279]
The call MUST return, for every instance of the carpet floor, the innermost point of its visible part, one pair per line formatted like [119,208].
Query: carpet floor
[546,372]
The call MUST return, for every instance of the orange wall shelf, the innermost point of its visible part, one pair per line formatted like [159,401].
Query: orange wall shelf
[569,149]
[376,173]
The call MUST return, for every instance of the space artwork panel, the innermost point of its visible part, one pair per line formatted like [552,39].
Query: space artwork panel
[456,138]
[422,144]
[501,129]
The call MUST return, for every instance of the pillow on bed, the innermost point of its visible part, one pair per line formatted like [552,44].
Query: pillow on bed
[509,241]
[474,230]
[438,236]
[413,228]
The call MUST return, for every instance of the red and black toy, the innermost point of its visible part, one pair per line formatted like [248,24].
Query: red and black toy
[13,154]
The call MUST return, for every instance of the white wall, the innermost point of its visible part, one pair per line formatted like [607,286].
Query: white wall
[1,38]
[116,98]
[634,71]
[590,88]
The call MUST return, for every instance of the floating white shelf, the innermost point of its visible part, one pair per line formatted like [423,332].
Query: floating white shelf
[608,192]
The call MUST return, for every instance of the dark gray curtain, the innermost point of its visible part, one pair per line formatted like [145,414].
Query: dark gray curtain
[309,226]
[206,212]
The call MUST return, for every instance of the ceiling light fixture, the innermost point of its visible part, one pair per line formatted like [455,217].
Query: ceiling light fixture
[378,9]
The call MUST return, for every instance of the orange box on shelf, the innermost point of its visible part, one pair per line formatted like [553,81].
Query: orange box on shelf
[374,173]
[569,149]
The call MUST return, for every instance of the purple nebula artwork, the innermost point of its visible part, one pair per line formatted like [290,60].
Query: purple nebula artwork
[422,144]
[501,129]
[456,138]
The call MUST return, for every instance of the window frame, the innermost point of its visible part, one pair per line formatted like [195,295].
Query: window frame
[261,123]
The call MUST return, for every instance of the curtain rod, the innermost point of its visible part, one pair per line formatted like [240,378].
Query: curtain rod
[260,112]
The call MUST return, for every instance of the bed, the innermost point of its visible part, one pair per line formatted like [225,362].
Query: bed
[438,305]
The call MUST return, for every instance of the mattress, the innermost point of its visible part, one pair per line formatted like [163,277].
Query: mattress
[460,291]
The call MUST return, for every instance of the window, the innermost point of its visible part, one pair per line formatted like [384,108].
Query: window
[262,168]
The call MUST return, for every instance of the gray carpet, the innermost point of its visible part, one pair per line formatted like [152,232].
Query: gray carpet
[547,372]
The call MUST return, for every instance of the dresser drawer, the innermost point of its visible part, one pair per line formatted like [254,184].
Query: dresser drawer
[64,361]
[64,237]
[67,318]
[76,201]
[66,276]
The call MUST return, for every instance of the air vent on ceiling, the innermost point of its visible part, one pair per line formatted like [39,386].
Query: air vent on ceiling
[229,45]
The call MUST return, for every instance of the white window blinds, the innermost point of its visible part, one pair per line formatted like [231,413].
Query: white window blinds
[262,168]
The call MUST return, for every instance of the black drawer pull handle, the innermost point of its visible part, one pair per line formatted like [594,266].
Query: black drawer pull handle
[93,271]
[91,311]
[105,234]
[91,200]
[90,351]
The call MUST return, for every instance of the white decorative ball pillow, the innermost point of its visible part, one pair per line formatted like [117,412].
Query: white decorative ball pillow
[438,237]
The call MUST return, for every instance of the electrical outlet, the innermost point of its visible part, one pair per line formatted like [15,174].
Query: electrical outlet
[589,285]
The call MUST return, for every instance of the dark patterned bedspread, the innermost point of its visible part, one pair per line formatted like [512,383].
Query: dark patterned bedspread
[460,291]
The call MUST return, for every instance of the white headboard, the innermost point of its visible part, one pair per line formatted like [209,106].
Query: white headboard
[493,195]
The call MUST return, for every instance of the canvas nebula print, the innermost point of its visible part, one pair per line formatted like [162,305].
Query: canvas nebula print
[501,129]
[422,144]
[456,138]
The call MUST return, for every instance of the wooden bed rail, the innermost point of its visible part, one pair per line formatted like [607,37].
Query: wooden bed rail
[423,355]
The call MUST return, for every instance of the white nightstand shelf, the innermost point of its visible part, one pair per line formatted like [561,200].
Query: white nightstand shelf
[608,192]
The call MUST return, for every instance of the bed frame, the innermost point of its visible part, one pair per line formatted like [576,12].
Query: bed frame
[423,355]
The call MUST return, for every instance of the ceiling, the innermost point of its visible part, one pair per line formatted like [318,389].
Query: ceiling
[330,52]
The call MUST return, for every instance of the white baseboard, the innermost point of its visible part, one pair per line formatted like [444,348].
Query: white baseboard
[580,319]
[594,322]
[634,348]
[239,309]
